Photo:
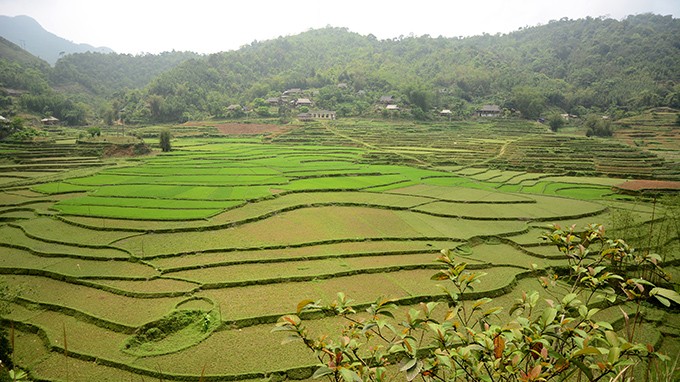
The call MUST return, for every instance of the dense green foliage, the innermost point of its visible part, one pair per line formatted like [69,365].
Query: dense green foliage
[571,65]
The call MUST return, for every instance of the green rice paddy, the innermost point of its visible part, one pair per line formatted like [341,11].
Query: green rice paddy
[239,230]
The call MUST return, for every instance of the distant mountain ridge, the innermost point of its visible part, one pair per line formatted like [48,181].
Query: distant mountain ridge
[12,52]
[28,34]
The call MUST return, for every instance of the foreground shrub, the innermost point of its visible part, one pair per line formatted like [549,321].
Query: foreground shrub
[556,338]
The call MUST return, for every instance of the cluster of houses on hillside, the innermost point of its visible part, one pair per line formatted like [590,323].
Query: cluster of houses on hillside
[391,104]
[297,98]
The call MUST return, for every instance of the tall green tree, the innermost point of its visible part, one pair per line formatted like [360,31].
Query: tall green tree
[165,138]
[598,126]
[555,122]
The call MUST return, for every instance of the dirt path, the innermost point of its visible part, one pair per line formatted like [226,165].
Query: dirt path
[334,131]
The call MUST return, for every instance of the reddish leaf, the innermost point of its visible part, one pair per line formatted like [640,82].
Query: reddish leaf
[535,372]
[536,349]
[498,346]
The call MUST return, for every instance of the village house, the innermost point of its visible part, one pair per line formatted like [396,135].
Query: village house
[303,102]
[292,91]
[49,121]
[388,99]
[273,101]
[317,114]
[489,111]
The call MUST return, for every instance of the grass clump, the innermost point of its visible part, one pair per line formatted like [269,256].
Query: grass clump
[177,331]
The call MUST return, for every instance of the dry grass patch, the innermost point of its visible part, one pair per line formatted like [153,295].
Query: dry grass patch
[150,287]
[545,207]
[91,301]
[461,194]
[503,254]
[344,249]
[15,237]
[50,229]
[101,224]
[460,229]
[298,269]
[299,226]
[250,128]
[12,258]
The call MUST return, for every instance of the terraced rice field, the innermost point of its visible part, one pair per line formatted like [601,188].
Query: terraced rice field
[224,235]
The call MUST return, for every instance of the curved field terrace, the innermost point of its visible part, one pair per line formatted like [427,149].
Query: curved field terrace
[175,266]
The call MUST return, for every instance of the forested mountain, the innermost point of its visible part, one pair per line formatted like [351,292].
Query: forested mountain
[106,74]
[79,87]
[30,35]
[575,66]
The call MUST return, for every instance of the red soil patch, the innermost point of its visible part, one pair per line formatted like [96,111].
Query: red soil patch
[248,128]
[640,185]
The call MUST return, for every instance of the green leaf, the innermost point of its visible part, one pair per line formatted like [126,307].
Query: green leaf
[605,324]
[566,300]
[445,360]
[430,307]
[370,325]
[533,298]
[349,375]
[592,312]
[386,313]
[407,364]
[614,354]
[413,372]
[584,369]
[380,374]
[663,300]
[548,316]
[612,337]
[321,371]
[643,282]
[669,294]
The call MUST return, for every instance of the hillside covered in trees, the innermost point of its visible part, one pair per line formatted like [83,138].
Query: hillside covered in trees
[571,66]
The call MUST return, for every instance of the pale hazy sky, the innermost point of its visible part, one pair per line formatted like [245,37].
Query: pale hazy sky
[208,26]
